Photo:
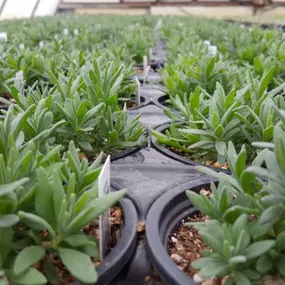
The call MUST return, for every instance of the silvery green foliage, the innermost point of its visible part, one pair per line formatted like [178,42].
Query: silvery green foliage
[246,232]
[206,122]
[45,201]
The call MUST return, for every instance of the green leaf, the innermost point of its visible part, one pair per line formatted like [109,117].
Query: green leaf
[95,208]
[211,241]
[197,201]
[220,147]
[266,79]
[264,263]
[44,197]
[281,264]
[214,268]
[280,241]
[258,248]
[80,240]
[8,220]
[6,238]
[239,225]
[36,222]
[50,273]
[223,200]
[78,264]
[234,212]
[241,279]
[27,257]
[238,259]
[219,132]
[86,146]
[30,277]
[272,214]
[11,187]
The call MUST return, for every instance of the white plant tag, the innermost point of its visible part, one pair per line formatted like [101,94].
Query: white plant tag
[76,32]
[19,79]
[146,73]
[144,63]
[158,25]
[212,50]
[104,188]
[207,43]
[65,32]
[150,53]
[3,36]
[22,46]
[138,92]
[242,26]
[41,44]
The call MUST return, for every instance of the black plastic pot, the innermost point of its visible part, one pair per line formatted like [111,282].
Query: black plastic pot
[116,260]
[164,150]
[4,108]
[163,217]
[144,101]
[161,102]
[131,150]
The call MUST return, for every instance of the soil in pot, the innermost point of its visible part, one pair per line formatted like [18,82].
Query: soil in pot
[132,103]
[185,244]
[62,275]
[206,162]
[7,96]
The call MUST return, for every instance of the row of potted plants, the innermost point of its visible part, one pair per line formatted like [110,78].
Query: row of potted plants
[224,228]
[60,118]
[212,99]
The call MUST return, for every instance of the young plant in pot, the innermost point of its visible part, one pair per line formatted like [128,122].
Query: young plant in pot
[240,225]
[205,124]
[46,200]
[93,128]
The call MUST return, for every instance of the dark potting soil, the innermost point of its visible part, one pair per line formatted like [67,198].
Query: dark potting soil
[189,156]
[60,273]
[7,96]
[185,244]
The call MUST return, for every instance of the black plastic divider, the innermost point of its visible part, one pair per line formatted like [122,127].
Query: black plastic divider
[148,174]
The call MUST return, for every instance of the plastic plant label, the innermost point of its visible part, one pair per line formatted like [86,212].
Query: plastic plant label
[242,26]
[138,92]
[103,189]
[19,79]
[3,37]
[146,73]
[144,63]
[76,32]
[150,53]
[207,43]
[41,44]
[212,51]
[22,46]
[65,32]
[158,25]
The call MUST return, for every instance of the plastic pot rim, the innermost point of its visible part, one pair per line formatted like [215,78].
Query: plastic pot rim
[116,260]
[162,218]
[162,149]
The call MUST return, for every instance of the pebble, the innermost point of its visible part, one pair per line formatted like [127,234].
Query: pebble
[177,258]
[173,239]
[197,278]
